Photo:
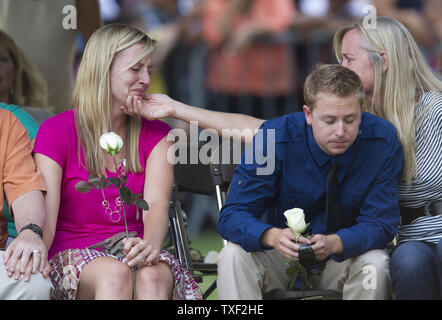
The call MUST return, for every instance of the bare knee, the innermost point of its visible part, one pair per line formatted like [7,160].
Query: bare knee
[149,275]
[105,278]
[154,282]
[116,275]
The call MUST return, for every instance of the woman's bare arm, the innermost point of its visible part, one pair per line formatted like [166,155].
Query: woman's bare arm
[236,126]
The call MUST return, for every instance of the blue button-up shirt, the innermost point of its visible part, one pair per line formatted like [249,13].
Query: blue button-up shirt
[368,177]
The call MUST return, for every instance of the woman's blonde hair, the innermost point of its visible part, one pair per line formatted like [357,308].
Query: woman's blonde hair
[92,96]
[29,88]
[396,91]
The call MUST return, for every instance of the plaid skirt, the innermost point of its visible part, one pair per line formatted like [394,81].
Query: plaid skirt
[66,267]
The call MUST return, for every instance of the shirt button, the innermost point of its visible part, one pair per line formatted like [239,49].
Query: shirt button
[240,182]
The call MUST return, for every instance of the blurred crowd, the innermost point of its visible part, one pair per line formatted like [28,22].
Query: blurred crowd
[248,56]
[252,56]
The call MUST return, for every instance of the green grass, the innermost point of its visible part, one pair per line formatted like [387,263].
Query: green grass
[206,242]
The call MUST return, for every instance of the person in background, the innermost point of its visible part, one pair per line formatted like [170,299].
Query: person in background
[432,12]
[410,14]
[421,18]
[248,69]
[23,92]
[20,82]
[47,32]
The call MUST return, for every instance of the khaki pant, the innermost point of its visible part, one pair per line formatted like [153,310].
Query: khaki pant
[37,288]
[247,275]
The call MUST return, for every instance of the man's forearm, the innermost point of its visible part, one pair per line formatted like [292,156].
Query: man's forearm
[29,208]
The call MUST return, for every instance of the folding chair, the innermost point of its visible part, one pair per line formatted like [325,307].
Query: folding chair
[222,173]
[194,178]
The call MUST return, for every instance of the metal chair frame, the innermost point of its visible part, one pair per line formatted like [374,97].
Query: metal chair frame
[193,178]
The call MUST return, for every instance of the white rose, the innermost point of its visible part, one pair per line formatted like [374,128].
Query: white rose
[296,220]
[111,143]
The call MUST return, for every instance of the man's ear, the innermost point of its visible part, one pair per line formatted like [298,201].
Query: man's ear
[384,57]
[308,114]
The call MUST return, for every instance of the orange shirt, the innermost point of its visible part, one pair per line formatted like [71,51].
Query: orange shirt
[18,173]
[261,69]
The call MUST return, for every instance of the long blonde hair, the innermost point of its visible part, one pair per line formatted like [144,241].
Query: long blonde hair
[396,91]
[92,96]
[29,88]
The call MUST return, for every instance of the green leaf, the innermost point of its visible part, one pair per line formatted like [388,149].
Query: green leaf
[134,197]
[291,271]
[297,270]
[115,181]
[311,280]
[142,204]
[285,261]
[125,194]
[292,281]
[98,182]
[83,187]
[124,180]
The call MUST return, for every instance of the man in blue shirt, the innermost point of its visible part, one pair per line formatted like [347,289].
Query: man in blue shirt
[369,158]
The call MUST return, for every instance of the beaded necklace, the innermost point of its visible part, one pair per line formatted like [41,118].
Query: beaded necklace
[115,212]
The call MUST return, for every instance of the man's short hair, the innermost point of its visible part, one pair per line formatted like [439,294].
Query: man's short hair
[333,79]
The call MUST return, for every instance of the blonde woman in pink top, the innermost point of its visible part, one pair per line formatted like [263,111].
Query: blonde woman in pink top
[115,67]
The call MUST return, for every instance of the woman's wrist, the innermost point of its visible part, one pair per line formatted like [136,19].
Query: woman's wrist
[176,108]
[182,111]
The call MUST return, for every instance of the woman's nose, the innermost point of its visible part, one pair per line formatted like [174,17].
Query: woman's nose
[144,76]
